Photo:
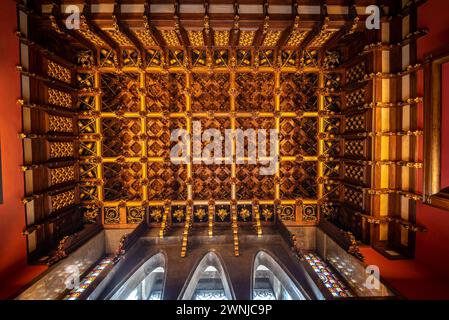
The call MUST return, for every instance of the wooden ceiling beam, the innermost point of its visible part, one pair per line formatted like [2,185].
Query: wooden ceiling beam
[235,32]
[348,29]
[154,33]
[60,28]
[262,32]
[180,31]
[295,25]
[86,16]
[207,31]
[124,30]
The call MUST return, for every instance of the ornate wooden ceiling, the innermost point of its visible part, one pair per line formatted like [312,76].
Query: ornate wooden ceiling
[105,98]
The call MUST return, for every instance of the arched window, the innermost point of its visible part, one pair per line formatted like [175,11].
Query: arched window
[209,281]
[147,283]
[271,282]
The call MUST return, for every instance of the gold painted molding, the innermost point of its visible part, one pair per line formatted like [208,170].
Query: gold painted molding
[433,191]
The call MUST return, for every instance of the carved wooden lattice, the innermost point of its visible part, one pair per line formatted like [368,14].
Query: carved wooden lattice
[299,137]
[121,137]
[298,92]
[255,92]
[138,112]
[210,92]
[211,182]
[120,92]
[122,181]
[167,181]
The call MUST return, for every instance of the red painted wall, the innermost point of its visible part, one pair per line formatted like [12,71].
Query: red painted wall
[14,272]
[426,276]
[432,248]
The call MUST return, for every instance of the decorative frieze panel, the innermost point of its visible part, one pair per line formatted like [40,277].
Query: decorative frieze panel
[356,73]
[353,197]
[155,214]
[59,98]
[178,214]
[356,148]
[359,122]
[62,200]
[59,72]
[135,215]
[59,150]
[60,124]
[267,213]
[223,213]
[244,213]
[287,213]
[111,215]
[355,98]
[356,174]
[61,175]
[309,213]
[200,213]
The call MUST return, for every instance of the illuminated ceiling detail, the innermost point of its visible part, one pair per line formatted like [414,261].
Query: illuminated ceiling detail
[196,38]
[119,37]
[246,38]
[221,38]
[145,37]
[171,38]
[106,108]
[271,38]
[322,38]
[296,38]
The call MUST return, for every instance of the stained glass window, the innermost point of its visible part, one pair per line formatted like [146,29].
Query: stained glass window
[87,281]
[330,281]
